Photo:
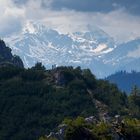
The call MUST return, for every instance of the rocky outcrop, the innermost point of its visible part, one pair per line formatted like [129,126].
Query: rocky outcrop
[6,57]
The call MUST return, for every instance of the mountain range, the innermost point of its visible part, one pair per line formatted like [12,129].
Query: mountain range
[92,49]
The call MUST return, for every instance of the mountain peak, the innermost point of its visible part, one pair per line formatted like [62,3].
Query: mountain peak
[92,49]
[36,28]
[38,43]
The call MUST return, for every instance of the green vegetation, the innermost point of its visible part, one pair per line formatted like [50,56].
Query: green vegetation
[35,101]
[76,130]
[6,57]
[80,129]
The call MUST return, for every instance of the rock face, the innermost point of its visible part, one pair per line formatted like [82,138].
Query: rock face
[6,57]
[92,49]
[52,47]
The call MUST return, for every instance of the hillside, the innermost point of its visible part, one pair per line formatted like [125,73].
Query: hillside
[34,101]
[6,57]
[91,129]
[125,81]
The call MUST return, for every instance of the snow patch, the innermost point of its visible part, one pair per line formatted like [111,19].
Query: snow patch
[29,28]
[100,48]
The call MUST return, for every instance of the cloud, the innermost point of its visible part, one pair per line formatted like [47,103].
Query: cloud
[11,19]
[9,26]
[103,6]
[84,5]
[20,2]
[118,24]
[73,15]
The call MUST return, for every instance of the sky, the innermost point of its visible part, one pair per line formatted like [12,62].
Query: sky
[119,18]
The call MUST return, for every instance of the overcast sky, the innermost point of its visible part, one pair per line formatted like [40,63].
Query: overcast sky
[119,18]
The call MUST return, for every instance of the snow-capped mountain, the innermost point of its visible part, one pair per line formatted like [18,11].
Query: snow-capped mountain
[93,49]
[125,56]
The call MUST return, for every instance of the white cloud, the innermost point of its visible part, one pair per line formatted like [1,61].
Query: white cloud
[11,18]
[121,25]
[118,24]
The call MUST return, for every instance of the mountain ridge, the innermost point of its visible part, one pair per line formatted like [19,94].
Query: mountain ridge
[37,100]
[6,57]
[125,81]
[90,49]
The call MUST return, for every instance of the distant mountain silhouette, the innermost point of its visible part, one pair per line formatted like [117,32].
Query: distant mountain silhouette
[124,80]
[6,57]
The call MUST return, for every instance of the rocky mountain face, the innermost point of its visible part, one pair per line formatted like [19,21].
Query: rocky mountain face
[125,56]
[93,49]
[6,57]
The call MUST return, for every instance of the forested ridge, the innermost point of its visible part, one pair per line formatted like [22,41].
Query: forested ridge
[35,101]
[125,80]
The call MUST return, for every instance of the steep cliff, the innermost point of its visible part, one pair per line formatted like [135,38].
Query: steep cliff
[6,57]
